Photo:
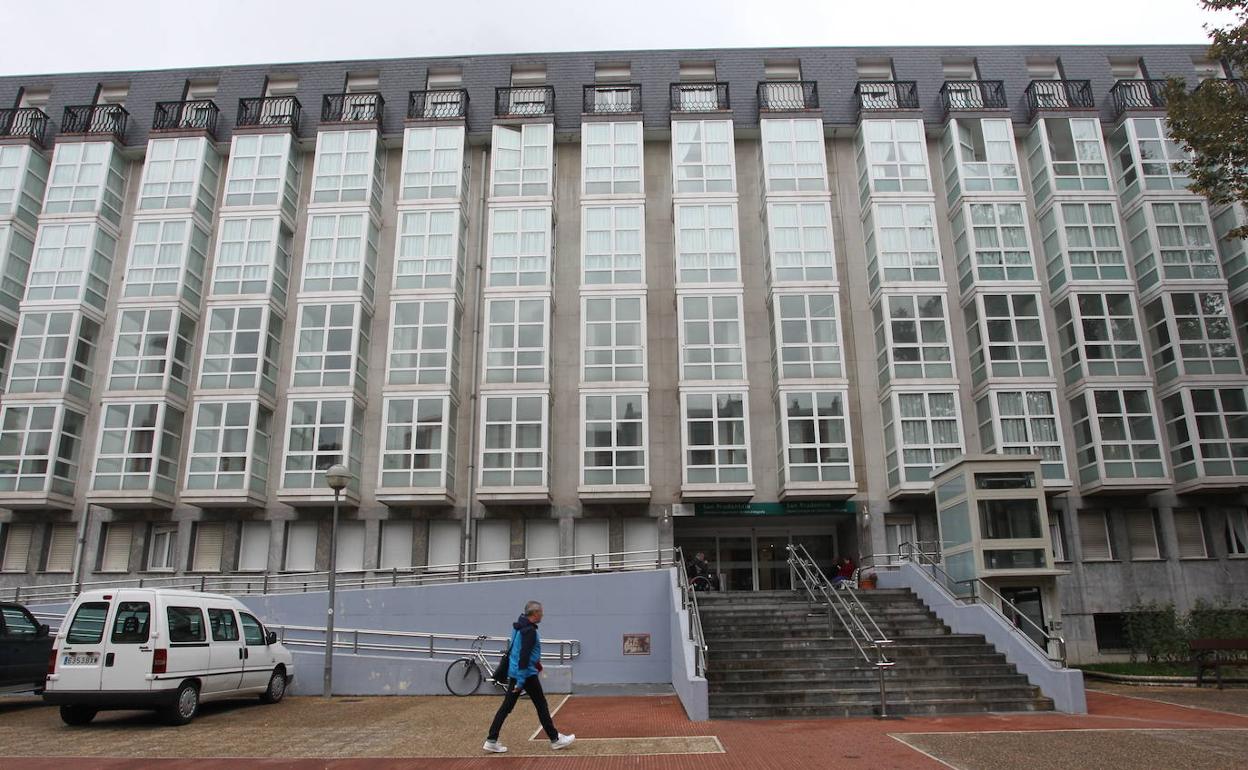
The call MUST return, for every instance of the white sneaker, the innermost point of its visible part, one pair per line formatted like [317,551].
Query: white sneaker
[562,742]
[495,747]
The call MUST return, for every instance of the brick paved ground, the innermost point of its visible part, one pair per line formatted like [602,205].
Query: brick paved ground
[627,732]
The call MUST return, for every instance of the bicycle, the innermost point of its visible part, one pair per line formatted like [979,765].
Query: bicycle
[466,674]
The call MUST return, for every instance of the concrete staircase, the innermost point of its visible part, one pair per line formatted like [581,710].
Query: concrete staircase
[774,654]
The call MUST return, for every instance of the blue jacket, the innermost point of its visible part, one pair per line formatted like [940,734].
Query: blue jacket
[526,650]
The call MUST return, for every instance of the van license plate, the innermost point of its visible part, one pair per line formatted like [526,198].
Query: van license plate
[85,659]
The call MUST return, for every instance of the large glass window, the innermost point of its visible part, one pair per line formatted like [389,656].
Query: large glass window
[16,253]
[522,160]
[152,345]
[433,160]
[341,254]
[253,257]
[928,434]
[702,156]
[348,166]
[1144,152]
[998,247]
[71,262]
[706,243]
[615,438]
[892,157]
[165,258]
[1194,328]
[1099,336]
[514,441]
[519,253]
[1023,422]
[422,342]
[1117,429]
[799,240]
[814,432]
[263,172]
[51,346]
[808,336]
[1209,425]
[614,349]
[229,446]
[322,433]
[428,248]
[332,344]
[39,448]
[913,341]
[241,348]
[516,339]
[86,177]
[985,155]
[1172,241]
[612,242]
[712,337]
[612,158]
[717,441]
[23,179]
[793,155]
[138,450]
[178,174]
[901,242]
[418,442]
[1082,238]
[1011,329]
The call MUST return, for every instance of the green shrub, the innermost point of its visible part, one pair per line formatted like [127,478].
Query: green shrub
[1157,633]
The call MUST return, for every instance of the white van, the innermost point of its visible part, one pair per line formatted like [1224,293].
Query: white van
[142,648]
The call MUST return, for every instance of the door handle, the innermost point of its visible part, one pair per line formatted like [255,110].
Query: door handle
[240,654]
[108,660]
[246,654]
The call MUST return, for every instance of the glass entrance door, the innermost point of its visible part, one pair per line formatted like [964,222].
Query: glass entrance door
[756,559]
[736,563]
[1029,604]
[773,565]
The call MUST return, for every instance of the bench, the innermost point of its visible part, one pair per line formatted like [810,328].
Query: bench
[1205,655]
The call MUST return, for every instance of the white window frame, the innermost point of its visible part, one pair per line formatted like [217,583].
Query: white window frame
[1202,431]
[416,445]
[526,261]
[901,149]
[138,441]
[794,159]
[705,352]
[1083,328]
[1090,161]
[611,156]
[162,542]
[730,460]
[615,361]
[1041,430]
[1129,449]
[1194,329]
[40,447]
[263,173]
[86,178]
[815,445]
[617,447]
[1172,241]
[807,329]
[427,251]
[517,339]
[166,259]
[498,463]
[800,243]
[997,246]
[253,257]
[341,253]
[237,356]
[312,462]
[73,261]
[1086,240]
[1007,338]
[613,244]
[348,167]
[703,158]
[905,249]
[332,346]
[230,445]
[424,335]
[152,350]
[931,341]
[708,250]
[55,351]
[904,454]
[522,161]
[174,174]
[998,171]
[433,163]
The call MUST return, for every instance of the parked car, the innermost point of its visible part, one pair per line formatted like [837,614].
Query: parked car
[164,650]
[24,648]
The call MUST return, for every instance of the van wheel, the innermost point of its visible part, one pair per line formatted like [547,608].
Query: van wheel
[185,706]
[77,715]
[277,687]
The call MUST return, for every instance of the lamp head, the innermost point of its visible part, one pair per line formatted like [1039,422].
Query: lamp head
[338,476]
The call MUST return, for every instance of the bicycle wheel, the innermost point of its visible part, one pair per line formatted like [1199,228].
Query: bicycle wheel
[463,677]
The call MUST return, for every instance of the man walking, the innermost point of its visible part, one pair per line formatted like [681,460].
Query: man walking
[523,667]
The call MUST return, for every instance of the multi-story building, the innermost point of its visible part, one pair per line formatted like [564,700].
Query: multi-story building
[551,306]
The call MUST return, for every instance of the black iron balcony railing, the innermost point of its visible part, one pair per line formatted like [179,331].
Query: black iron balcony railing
[27,122]
[699,97]
[363,107]
[1138,95]
[524,101]
[887,95]
[1059,95]
[617,99]
[788,95]
[1239,85]
[269,111]
[962,95]
[438,104]
[95,119]
[200,114]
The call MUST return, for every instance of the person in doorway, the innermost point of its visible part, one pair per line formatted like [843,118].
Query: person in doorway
[522,676]
[845,572]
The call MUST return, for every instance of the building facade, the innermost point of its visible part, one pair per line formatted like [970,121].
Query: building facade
[552,306]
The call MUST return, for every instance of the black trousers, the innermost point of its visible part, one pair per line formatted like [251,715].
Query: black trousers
[533,687]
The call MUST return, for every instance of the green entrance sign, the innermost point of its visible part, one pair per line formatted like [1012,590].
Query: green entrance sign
[791,508]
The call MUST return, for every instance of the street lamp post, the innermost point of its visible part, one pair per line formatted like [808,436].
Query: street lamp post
[338,476]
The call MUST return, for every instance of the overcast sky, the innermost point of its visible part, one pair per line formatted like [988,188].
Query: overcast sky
[88,35]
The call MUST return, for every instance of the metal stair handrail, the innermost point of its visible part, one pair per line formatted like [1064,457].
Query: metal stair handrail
[689,598]
[848,611]
[302,582]
[911,552]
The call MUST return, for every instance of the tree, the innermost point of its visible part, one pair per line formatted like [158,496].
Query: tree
[1211,121]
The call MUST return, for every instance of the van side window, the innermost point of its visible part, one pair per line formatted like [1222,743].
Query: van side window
[87,627]
[224,629]
[253,632]
[132,622]
[186,624]
[16,623]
